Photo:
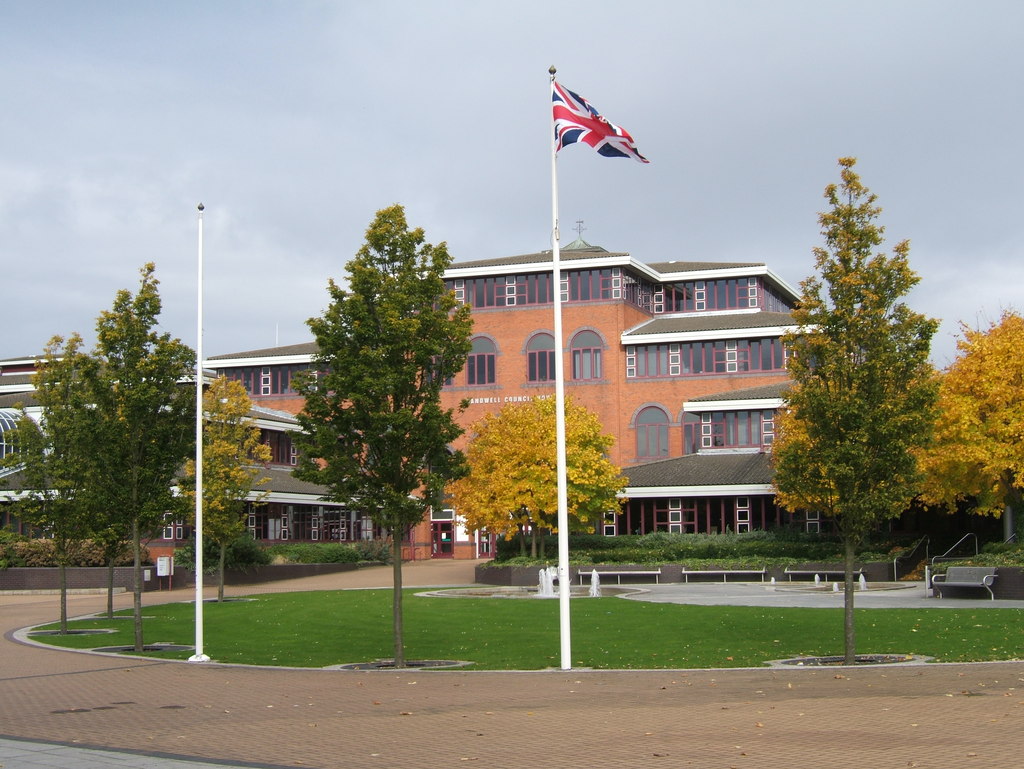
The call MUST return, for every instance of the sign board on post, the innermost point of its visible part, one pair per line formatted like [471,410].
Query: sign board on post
[164,566]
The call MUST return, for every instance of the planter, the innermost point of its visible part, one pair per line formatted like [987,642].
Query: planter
[528,576]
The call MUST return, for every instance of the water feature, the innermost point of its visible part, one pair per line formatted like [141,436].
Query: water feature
[546,583]
[595,584]
[862,584]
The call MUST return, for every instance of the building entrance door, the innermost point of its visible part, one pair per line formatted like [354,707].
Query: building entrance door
[443,539]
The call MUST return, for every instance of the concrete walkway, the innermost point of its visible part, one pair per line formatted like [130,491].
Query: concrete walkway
[902,595]
[82,711]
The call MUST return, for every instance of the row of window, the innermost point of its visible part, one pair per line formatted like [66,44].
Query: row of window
[585,348]
[730,356]
[586,358]
[707,430]
[282,450]
[538,288]
[642,361]
[266,380]
[613,283]
[701,295]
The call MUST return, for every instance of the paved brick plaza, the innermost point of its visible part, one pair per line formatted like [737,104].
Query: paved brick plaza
[925,716]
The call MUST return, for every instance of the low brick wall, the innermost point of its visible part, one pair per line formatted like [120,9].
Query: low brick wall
[78,577]
[257,574]
[95,578]
[527,576]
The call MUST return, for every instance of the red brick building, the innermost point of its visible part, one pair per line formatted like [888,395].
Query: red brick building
[682,362]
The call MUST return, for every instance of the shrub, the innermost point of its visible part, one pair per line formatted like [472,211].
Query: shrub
[242,553]
[374,550]
[39,553]
[753,548]
[322,552]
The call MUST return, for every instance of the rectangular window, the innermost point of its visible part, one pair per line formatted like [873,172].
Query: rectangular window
[480,369]
[541,366]
[729,429]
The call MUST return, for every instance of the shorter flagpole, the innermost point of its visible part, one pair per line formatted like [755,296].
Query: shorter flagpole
[199,656]
[564,582]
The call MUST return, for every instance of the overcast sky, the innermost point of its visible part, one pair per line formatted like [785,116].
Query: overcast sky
[295,121]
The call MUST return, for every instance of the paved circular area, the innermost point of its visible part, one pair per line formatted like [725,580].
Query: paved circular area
[147,713]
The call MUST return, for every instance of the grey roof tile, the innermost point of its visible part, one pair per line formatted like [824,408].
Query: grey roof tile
[673,267]
[304,348]
[682,324]
[775,390]
[713,469]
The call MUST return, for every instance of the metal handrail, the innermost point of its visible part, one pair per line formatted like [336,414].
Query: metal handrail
[946,557]
[895,561]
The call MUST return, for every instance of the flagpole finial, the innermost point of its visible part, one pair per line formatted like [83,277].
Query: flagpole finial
[552,70]
[201,207]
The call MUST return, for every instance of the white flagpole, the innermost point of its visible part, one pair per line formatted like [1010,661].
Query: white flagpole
[564,583]
[199,656]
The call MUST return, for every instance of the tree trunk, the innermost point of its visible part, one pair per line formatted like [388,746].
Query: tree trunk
[522,541]
[62,567]
[137,588]
[220,572]
[533,541]
[110,588]
[849,634]
[396,565]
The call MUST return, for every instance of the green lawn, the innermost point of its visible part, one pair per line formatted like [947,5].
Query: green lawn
[317,629]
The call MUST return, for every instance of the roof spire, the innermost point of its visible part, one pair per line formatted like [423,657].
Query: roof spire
[578,244]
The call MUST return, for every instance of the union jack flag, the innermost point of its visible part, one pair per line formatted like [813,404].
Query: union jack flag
[577,121]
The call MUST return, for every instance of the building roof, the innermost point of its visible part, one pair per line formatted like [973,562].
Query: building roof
[719,321]
[264,414]
[11,400]
[695,470]
[774,391]
[566,254]
[304,348]
[283,482]
[573,252]
[672,267]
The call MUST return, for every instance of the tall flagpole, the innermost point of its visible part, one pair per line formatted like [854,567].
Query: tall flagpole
[199,656]
[564,583]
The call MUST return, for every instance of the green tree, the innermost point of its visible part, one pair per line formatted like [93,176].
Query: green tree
[978,452]
[145,415]
[375,433]
[56,457]
[512,484]
[864,394]
[232,459]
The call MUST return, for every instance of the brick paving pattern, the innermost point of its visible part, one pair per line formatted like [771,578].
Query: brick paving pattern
[933,717]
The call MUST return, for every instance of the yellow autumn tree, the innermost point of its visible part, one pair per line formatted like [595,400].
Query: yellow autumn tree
[512,485]
[978,452]
[233,457]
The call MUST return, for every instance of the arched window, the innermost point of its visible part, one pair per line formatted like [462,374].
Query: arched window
[540,358]
[586,356]
[652,433]
[480,363]
[8,423]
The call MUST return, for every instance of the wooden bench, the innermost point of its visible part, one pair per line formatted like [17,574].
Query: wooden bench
[723,573]
[620,573]
[823,573]
[966,576]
